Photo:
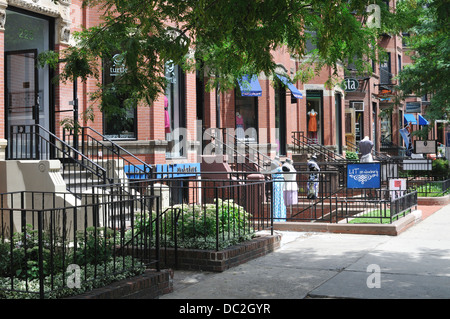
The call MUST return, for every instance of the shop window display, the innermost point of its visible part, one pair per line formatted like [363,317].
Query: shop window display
[246,118]
[313,109]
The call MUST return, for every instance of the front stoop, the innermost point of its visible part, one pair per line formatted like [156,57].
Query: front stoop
[393,229]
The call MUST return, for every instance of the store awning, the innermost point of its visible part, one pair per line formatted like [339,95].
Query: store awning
[295,92]
[423,121]
[410,118]
[250,86]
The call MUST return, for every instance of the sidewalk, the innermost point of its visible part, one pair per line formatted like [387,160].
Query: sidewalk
[415,264]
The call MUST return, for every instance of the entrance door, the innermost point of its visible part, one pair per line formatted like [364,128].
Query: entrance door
[22,101]
[28,91]
[280,119]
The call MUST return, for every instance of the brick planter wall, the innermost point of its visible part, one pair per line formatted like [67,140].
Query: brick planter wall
[218,261]
[152,284]
[149,285]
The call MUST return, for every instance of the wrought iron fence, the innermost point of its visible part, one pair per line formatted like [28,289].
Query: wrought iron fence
[375,206]
[56,244]
[124,228]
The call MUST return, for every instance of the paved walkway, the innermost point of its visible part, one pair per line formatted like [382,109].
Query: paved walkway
[415,264]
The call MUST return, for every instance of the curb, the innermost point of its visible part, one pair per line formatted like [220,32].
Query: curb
[393,229]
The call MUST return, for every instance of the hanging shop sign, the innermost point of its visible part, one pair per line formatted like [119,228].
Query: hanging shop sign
[413,107]
[425,147]
[364,175]
[351,84]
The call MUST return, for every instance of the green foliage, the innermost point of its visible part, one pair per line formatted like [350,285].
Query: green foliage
[428,45]
[195,226]
[20,257]
[92,252]
[221,39]
[440,167]
[351,156]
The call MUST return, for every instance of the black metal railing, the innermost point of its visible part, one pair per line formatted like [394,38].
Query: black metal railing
[376,206]
[243,155]
[429,186]
[34,142]
[54,245]
[107,153]
[303,144]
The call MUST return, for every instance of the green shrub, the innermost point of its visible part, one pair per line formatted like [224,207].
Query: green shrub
[195,225]
[351,156]
[440,168]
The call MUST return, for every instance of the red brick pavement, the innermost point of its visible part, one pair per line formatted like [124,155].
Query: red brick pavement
[428,210]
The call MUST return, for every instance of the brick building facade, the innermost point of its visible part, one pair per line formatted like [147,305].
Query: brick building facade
[342,117]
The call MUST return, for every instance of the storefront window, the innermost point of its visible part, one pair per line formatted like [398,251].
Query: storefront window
[246,117]
[119,117]
[313,112]
[175,110]
[280,119]
[386,129]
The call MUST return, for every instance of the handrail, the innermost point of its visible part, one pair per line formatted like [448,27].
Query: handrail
[304,142]
[38,151]
[225,146]
[113,150]
[254,150]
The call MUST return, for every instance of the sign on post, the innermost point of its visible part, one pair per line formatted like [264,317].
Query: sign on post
[364,175]
[425,147]
[397,187]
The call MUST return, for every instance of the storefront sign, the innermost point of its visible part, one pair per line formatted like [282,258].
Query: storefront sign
[364,175]
[118,66]
[413,107]
[177,170]
[425,147]
[351,85]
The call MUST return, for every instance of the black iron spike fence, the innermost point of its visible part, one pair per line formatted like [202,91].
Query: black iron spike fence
[124,228]
[55,244]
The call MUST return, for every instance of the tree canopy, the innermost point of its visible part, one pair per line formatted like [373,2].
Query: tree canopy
[429,46]
[223,39]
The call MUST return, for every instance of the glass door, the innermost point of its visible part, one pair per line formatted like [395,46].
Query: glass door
[22,102]
[28,91]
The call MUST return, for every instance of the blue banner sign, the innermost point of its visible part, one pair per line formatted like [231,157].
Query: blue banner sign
[364,175]
[177,170]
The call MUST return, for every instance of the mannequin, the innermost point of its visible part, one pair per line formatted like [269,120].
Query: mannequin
[312,124]
[279,208]
[166,115]
[313,179]
[239,125]
[290,193]
[365,147]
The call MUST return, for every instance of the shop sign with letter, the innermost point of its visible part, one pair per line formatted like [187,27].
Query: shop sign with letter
[364,175]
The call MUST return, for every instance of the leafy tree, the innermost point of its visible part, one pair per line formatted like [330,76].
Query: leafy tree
[429,44]
[222,39]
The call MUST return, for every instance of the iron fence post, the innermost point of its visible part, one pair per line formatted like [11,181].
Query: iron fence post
[216,195]
[41,254]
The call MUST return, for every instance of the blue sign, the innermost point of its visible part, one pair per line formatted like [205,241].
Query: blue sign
[177,170]
[364,175]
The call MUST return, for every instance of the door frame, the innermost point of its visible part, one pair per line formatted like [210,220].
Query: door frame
[35,110]
[51,73]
